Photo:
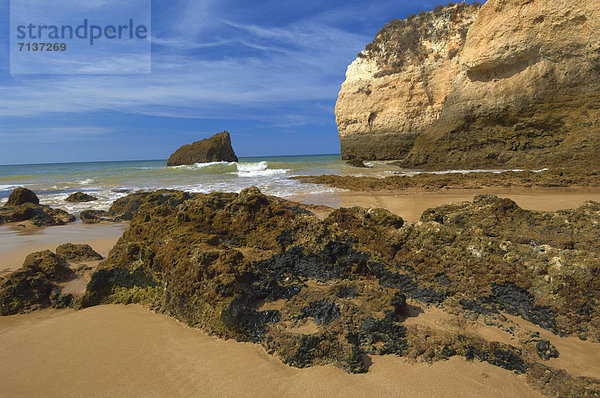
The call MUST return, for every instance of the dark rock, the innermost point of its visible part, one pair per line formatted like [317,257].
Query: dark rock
[322,311]
[53,265]
[546,350]
[21,196]
[382,337]
[35,285]
[347,292]
[307,351]
[94,216]
[214,149]
[77,252]
[356,163]
[40,216]
[241,318]
[506,359]
[80,197]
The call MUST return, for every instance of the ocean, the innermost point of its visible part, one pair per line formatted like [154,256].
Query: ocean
[111,180]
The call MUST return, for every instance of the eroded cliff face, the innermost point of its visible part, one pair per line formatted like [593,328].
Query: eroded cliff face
[529,89]
[397,86]
[525,92]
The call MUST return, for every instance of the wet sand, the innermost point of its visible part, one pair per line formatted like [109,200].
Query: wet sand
[16,242]
[411,204]
[129,351]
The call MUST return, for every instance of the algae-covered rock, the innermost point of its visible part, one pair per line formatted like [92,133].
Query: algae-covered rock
[77,252]
[21,196]
[263,269]
[79,197]
[23,205]
[34,285]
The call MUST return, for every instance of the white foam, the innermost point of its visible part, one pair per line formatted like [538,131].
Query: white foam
[202,165]
[86,182]
[257,170]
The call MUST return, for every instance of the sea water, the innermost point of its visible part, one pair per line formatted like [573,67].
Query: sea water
[111,180]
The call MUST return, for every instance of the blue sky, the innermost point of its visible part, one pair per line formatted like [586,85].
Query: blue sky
[267,71]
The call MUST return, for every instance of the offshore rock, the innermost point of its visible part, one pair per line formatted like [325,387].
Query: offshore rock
[214,149]
[21,196]
[23,205]
[79,197]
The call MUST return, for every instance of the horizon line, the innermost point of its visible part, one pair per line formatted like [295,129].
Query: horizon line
[155,160]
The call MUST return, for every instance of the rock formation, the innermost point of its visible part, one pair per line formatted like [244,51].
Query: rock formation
[263,269]
[23,205]
[523,92]
[357,163]
[79,197]
[397,86]
[21,196]
[214,149]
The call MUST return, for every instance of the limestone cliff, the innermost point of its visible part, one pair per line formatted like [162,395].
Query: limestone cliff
[526,92]
[397,86]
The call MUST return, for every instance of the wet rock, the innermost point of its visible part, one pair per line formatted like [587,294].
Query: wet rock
[79,197]
[95,216]
[21,196]
[40,216]
[356,163]
[214,149]
[77,252]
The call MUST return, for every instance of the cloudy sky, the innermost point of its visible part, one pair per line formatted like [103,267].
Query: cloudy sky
[268,71]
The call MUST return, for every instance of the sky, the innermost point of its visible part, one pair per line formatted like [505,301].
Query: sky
[267,71]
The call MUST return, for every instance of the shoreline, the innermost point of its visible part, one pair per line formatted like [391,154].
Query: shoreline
[16,243]
[410,204]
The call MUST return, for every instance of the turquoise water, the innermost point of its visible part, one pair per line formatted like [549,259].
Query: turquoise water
[111,180]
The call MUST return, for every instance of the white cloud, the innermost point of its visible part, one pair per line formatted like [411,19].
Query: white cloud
[53,134]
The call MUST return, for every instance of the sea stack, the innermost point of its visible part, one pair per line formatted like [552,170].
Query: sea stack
[510,84]
[214,149]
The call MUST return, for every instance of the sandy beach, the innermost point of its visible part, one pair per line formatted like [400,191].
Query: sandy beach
[16,242]
[115,350]
[411,204]
[128,351]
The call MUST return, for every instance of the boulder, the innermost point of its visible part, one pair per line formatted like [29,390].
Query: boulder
[77,252]
[21,196]
[214,149]
[40,216]
[357,163]
[79,197]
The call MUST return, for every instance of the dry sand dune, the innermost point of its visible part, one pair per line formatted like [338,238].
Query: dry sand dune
[129,351]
